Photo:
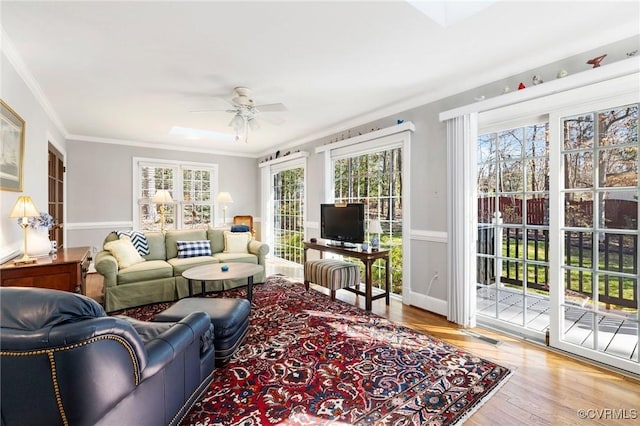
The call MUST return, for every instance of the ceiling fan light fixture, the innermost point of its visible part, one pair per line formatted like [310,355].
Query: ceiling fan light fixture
[237,122]
[253,124]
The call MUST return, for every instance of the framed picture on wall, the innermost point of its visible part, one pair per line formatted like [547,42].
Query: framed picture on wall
[11,149]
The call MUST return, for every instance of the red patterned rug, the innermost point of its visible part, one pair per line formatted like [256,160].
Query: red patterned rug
[308,360]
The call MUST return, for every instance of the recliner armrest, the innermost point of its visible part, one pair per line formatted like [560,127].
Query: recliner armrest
[164,348]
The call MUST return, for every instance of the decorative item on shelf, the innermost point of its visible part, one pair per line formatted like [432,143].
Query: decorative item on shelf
[521,86]
[224,198]
[24,209]
[596,61]
[162,197]
[375,229]
[506,89]
[38,234]
[537,80]
[364,246]
[632,53]
[479,98]
[398,121]
[562,73]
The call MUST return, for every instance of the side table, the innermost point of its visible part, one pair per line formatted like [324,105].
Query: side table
[65,270]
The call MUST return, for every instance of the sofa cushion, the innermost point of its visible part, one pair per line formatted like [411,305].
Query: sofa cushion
[124,252]
[138,239]
[236,242]
[236,257]
[216,236]
[145,271]
[157,249]
[180,265]
[193,248]
[172,237]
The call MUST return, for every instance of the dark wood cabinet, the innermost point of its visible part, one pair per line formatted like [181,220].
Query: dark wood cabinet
[65,270]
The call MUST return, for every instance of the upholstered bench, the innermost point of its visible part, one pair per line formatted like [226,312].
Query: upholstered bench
[230,319]
[332,274]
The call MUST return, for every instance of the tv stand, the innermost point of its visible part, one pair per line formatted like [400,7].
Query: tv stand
[367,257]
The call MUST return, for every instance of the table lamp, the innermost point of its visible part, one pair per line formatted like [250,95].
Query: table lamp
[24,209]
[224,198]
[162,197]
[376,229]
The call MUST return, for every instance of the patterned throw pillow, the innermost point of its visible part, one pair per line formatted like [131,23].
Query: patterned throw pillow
[138,239]
[193,248]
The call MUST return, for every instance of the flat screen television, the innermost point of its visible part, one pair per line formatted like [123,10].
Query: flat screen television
[342,225]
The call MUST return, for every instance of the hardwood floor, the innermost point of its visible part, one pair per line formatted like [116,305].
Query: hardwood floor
[546,387]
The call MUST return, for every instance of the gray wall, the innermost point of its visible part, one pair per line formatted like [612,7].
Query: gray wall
[100,192]
[39,130]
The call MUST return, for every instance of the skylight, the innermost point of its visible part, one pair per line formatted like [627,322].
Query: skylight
[447,13]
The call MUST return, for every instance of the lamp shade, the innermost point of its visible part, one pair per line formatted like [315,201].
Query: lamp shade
[24,207]
[162,196]
[374,227]
[224,198]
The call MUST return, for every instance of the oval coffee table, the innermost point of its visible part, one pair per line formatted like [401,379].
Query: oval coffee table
[214,272]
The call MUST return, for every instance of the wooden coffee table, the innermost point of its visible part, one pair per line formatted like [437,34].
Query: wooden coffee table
[214,272]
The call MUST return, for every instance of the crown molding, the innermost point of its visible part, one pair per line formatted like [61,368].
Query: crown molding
[14,58]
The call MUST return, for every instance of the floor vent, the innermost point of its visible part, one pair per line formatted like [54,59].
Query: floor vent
[481,337]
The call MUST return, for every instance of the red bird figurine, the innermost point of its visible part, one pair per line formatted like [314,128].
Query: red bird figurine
[596,61]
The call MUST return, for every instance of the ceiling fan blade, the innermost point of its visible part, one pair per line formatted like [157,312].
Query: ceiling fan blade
[271,107]
[271,119]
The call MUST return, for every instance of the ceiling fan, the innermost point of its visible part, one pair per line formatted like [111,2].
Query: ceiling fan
[245,113]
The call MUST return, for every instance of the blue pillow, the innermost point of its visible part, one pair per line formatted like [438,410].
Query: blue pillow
[138,239]
[240,228]
[193,248]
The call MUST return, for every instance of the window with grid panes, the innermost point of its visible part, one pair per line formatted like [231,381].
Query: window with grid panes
[288,214]
[375,179]
[191,186]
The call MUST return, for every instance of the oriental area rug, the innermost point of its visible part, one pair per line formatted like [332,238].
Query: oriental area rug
[309,361]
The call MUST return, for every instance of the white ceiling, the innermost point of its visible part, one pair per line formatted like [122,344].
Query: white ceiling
[127,72]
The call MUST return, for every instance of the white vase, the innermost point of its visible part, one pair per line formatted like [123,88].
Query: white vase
[38,243]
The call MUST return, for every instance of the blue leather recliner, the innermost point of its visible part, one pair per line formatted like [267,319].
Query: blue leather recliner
[64,361]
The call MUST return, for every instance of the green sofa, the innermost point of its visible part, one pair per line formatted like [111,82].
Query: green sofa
[159,277]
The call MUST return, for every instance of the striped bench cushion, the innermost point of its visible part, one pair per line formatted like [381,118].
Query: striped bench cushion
[332,274]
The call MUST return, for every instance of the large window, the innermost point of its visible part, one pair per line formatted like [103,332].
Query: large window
[599,155]
[288,214]
[191,185]
[513,225]
[375,179]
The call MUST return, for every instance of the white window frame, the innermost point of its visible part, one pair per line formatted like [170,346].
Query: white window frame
[177,190]
[388,138]
[268,169]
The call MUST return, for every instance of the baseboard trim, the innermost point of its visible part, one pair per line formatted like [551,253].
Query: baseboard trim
[428,303]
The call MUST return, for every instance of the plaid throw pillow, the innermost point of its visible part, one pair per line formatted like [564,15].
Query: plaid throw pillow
[138,239]
[193,248]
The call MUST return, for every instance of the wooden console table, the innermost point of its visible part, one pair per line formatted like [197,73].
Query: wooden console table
[367,257]
[64,270]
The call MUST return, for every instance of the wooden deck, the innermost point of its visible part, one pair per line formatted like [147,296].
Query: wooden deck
[617,331]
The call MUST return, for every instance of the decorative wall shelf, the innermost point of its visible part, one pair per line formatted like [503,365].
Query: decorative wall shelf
[293,156]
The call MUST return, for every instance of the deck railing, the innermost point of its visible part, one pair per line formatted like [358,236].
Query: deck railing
[617,253]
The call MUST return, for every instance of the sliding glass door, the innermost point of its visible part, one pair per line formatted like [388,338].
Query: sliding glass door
[599,191]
